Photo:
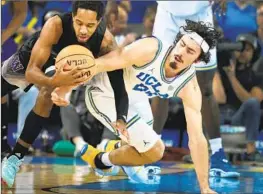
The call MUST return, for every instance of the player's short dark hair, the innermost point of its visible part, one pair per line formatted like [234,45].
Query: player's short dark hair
[206,31]
[97,6]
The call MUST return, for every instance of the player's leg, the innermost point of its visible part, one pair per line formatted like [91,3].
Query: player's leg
[26,103]
[11,79]
[33,126]
[144,145]
[72,127]
[5,88]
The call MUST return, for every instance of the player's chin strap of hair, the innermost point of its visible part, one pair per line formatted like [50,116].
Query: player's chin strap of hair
[199,40]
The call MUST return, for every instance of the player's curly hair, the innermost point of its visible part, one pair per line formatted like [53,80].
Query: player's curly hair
[206,31]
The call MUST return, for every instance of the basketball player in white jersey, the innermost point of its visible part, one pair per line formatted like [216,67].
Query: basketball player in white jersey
[152,68]
[174,13]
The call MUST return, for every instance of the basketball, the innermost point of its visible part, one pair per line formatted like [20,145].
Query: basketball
[74,55]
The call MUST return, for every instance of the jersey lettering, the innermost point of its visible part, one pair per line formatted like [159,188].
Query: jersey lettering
[149,85]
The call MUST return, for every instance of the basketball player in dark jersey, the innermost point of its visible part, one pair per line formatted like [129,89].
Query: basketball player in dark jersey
[14,13]
[84,26]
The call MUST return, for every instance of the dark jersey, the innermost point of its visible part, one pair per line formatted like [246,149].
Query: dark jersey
[67,38]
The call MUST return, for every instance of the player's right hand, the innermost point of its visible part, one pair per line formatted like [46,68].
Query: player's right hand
[70,77]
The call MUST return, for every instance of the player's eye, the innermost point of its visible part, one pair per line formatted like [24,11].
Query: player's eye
[90,25]
[189,52]
[78,23]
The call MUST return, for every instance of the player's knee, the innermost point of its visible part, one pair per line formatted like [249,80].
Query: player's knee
[156,152]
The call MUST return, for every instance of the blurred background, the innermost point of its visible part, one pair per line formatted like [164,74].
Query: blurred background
[136,19]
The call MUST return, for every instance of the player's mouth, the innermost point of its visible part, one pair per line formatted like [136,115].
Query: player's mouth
[177,59]
[83,38]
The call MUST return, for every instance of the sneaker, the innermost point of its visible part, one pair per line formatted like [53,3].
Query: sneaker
[10,167]
[140,174]
[88,154]
[153,170]
[253,157]
[136,174]
[220,167]
[114,144]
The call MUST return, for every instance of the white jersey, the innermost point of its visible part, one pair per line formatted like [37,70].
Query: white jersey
[183,8]
[150,79]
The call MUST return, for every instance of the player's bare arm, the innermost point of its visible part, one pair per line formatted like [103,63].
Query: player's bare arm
[116,78]
[49,36]
[132,54]
[19,16]
[192,101]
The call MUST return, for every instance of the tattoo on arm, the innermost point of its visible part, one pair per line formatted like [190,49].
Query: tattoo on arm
[108,46]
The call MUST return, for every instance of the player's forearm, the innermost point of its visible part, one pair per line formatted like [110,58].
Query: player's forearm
[117,59]
[199,154]
[240,91]
[120,94]
[37,77]
[160,109]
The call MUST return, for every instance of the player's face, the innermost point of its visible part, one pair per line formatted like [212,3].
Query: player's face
[185,53]
[85,23]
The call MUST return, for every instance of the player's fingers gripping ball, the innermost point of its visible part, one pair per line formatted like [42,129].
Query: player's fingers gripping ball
[80,61]
[78,58]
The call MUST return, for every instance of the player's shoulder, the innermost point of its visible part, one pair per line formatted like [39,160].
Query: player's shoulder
[55,22]
[190,89]
[52,30]
[151,44]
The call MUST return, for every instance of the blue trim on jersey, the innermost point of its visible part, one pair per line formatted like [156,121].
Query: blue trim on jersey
[160,46]
[183,84]
[206,68]
[96,110]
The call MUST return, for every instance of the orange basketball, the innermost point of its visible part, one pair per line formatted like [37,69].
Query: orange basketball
[74,55]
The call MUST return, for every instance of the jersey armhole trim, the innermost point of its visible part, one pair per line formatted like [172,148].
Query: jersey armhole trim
[156,54]
[183,84]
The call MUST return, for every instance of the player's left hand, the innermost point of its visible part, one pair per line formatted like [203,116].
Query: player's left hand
[120,126]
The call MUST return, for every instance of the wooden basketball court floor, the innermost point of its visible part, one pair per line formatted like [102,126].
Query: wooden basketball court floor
[47,175]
